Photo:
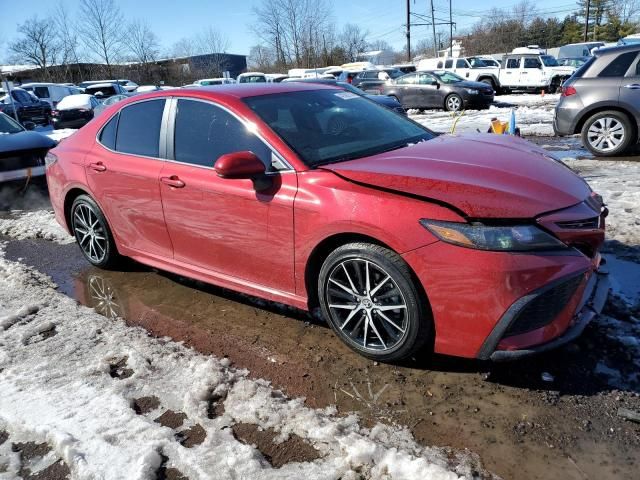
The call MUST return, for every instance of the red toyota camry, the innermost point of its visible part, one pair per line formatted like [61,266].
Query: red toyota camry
[472,245]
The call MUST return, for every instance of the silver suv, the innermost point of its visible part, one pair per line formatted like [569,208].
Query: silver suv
[601,101]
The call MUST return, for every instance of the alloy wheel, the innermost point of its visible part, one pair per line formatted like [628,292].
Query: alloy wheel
[606,134]
[366,304]
[453,103]
[90,233]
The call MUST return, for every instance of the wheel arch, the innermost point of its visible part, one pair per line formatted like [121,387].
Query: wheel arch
[69,198]
[326,246]
[603,108]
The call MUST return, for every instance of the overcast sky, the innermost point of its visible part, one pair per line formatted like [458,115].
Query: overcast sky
[172,20]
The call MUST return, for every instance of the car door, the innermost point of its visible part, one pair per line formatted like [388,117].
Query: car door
[624,71]
[427,91]
[224,225]
[405,90]
[531,72]
[123,170]
[511,72]
[462,68]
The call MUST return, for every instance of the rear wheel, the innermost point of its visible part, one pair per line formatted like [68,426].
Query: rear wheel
[489,82]
[92,233]
[453,103]
[368,296]
[607,133]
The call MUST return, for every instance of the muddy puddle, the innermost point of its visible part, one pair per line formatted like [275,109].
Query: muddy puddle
[521,425]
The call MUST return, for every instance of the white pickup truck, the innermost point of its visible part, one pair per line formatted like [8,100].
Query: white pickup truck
[532,71]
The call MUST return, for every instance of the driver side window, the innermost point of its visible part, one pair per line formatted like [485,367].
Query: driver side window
[410,79]
[204,132]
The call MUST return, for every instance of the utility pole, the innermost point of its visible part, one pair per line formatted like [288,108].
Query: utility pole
[408,31]
[586,23]
[450,30]
[433,24]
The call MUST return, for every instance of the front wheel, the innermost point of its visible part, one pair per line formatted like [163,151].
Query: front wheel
[368,296]
[607,133]
[453,103]
[92,233]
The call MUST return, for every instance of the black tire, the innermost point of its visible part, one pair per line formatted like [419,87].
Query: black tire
[489,82]
[618,122]
[453,103]
[413,330]
[106,253]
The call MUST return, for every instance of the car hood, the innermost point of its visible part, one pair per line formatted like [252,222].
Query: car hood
[384,100]
[470,84]
[481,175]
[24,141]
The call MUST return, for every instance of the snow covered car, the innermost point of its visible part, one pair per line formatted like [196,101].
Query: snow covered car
[22,152]
[74,111]
[26,106]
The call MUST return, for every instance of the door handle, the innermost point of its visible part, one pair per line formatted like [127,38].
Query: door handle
[633,86]
[173,181]
[98,166]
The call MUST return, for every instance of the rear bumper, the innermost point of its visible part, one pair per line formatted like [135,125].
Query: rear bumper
[22,173]
[591,304]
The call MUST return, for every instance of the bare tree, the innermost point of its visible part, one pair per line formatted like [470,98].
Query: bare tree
[211,40]
[626,10]
[261,58]
[185,47]
[353,40]
[37,44]
[67,34]
[101,27]
[142,43]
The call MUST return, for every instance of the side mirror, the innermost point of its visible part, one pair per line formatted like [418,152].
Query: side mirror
[29,125]
[245,165]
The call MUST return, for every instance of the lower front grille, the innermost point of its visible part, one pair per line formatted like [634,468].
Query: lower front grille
[544,308]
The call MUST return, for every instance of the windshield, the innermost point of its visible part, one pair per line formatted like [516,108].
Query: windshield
[549,61]
[477,63]
[395,73]
[351,88]
[327,126]
[9,125]
[448,77]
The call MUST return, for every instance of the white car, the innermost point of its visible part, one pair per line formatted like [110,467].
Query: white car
[532,71]
[472,69]
[51,93]
[214,81]
[252,77]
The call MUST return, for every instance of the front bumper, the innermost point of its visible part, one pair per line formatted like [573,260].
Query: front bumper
[591,304]
[21,174]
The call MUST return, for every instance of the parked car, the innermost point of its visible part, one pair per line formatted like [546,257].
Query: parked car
[127,85]
[110,101]
[533,71]
[147,88]
[347,76]
[473,69]
[439,89]
[582,49]
[214,81]
[601,101]
[75,111]
[385,101]
[51,93]
[105,90]
[252,77]
[22,152]
[405,67]
[28,107]
[374,80]
[575,62]
[479,246]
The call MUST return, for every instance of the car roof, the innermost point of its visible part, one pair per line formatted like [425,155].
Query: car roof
[245,90]
[101,85]
[617,49]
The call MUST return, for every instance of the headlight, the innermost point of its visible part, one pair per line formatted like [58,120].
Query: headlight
[50,159]
[519,238]
[471,91]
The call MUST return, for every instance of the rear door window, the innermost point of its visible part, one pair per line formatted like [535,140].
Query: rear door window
[513,63]
[139,128]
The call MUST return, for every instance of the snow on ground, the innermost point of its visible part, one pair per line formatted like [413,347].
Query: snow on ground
[619,184]
[36,224]
[69,377]
[534,115]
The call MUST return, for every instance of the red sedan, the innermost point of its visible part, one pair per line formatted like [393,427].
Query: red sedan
[478,246]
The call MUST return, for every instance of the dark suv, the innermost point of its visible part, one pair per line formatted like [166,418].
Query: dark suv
[601,101]
[374,80]
[28,107]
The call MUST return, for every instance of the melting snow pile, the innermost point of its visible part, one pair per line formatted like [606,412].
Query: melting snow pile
[36,224]
[69,377]
[534,116]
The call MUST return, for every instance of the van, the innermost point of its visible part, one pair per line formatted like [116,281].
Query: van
[252,77]
[51,93]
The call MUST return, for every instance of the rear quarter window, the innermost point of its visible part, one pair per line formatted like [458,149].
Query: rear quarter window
[619,65]
[107,136]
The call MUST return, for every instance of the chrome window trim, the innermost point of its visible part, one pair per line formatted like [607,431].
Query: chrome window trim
[237,117]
